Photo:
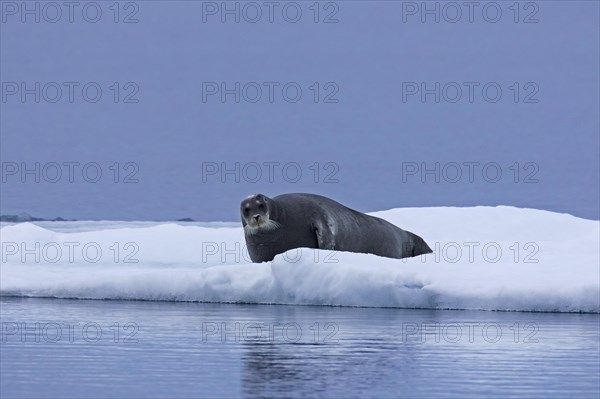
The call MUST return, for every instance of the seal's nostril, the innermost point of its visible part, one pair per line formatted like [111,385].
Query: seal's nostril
[256,217]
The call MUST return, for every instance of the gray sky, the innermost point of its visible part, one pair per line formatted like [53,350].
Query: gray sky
[196,113]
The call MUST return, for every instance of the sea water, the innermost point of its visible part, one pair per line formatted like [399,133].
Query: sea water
[109,348]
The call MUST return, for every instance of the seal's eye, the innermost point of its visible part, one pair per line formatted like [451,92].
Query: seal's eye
[246,210]
[261,206]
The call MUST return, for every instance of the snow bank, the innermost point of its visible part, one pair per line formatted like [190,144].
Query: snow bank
[492,258]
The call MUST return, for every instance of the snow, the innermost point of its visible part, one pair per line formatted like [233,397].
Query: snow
[489,258]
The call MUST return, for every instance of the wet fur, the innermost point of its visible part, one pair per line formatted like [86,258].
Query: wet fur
[312,221]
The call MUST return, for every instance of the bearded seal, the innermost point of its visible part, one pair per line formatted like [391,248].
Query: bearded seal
[273,226]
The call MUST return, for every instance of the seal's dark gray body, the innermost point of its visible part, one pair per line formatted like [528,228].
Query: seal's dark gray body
[314,221]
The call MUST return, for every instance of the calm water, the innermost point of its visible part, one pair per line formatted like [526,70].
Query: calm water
[96,349]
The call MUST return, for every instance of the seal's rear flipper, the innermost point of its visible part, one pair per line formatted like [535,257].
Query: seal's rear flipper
[420,246]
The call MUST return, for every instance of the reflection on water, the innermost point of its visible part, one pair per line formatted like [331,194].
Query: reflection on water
[74,348]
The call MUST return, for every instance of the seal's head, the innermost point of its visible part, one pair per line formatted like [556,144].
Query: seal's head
[255,214]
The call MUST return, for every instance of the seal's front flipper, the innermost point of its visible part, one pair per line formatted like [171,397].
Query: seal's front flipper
[324,232]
